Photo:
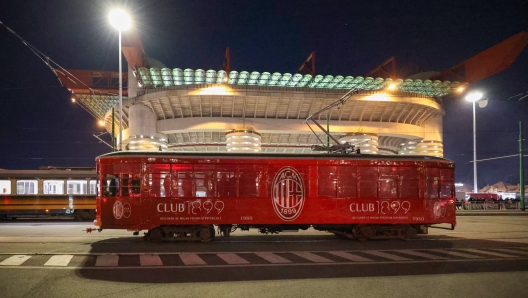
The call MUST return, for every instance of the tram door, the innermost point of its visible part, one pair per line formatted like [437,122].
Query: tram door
[122,195]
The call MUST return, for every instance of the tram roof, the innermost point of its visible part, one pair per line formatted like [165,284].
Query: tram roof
[49,174]
[167,154]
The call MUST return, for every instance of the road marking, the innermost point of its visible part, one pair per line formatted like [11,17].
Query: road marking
[386,255]
[150,260]
[272,258]
[192,259]
[15,260]
[60,260]
[349,256]
[478,251]
[232,258]
[107,261]
[421,254]
[457,254]
[512,251]
[313,257]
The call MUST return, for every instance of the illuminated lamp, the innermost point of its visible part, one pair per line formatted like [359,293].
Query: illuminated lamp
[243,141]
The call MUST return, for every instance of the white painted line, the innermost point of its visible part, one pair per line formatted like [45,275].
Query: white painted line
[192,259]
[457,254]
[232,259]
[313,257]
[495,254]
[349,256]
[512,251]
[386,255]
[150,260]
[272,258]
[15,260]
[59,260]
[107,261]
[422,254]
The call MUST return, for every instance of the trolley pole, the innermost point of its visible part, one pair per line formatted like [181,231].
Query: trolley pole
[113,135]
[328,129]
[521,167]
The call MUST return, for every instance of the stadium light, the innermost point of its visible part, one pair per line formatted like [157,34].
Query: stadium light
[474,97]
[120,20]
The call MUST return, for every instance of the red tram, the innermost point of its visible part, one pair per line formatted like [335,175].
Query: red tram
[182,196]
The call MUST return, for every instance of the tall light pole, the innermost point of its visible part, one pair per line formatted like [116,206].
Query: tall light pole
[474,97]
[120,20]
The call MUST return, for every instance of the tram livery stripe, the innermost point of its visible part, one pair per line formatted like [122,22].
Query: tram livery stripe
[456,254]
[60,260]
[386,255]
[150,260]
[272,258]
[313,257]
[512,251]
[107,261]
[192,259]
[478,251]
[349,256]
[421,254]
[232,259]
[15,260]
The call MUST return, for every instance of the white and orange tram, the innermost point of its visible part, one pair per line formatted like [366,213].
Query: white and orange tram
[49,191]
[183,196]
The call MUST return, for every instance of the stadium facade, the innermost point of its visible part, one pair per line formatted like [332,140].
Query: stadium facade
[223,110]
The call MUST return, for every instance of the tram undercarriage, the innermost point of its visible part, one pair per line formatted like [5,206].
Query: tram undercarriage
[206,233]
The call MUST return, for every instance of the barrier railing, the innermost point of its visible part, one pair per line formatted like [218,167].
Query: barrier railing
[489,205]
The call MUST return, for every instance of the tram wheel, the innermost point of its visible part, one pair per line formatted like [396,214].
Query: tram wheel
[363,232]
[156,235]
[206,234]
[409,233]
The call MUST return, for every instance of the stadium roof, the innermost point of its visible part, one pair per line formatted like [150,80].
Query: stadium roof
[166,77]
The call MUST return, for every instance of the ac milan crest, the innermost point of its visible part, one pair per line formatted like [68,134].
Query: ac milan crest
[288,193]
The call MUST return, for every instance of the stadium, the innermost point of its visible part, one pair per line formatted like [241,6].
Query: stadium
[173,109]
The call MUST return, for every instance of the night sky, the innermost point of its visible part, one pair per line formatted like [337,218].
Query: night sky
[40,126]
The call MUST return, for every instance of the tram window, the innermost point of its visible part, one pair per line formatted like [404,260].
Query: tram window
[135,184]
[327,181]
[27,187]
[93,187]
[5,187]
[250,180]
[182,180]
[347,182]
[127,176]
[159,180]
[432,181]
[388,182]
[204,179]
[446,183]
[368,178]
[226,184]
[53,187]
[76,187]
[111,184]
[409,182]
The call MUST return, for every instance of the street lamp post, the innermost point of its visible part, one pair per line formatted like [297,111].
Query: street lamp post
[120,20]
[474,97]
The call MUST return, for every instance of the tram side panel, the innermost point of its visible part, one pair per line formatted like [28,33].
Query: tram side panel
[276,192]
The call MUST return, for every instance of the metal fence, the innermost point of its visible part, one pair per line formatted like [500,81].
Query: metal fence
[489,205]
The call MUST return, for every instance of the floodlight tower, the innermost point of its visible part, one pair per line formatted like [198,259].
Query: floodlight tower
[120,20]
